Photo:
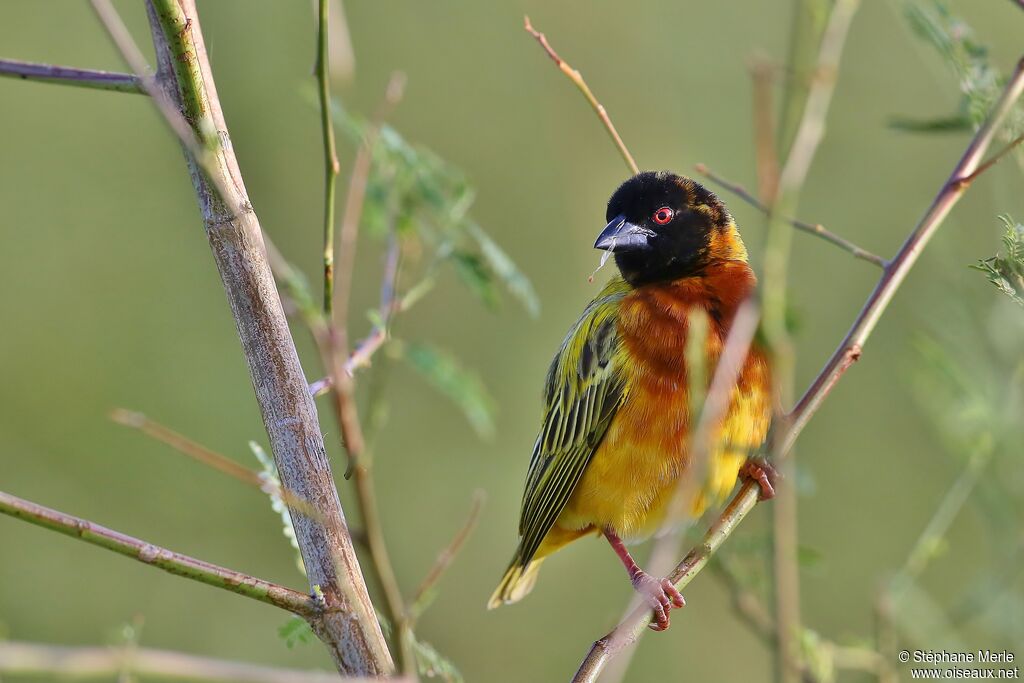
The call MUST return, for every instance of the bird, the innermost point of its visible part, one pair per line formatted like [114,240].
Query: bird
[613,446]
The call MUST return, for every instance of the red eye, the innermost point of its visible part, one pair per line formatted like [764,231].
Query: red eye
[663,215]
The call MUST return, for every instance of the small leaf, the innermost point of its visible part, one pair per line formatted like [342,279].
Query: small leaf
[270,475]
[1006,270]
[808,557]
[462,386]
[295,631]
[475,275]
[954,123]
[506,270]
[430,663]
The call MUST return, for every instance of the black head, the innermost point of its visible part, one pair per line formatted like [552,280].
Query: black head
[662,227]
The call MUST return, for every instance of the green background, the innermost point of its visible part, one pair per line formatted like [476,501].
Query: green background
[109,297]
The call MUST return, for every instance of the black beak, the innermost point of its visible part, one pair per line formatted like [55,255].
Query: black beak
[620,235]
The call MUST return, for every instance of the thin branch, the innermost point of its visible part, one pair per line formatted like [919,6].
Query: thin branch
[445,558]
[168,560]
[812,228]
[994,159]
[766,155]
[107,663]
[199,143]
[390,304]
[331,165]
[849,351]
[66,75]
[210,458]
[578,81]
[356,194]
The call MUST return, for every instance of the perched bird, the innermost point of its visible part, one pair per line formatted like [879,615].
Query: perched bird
[612,449]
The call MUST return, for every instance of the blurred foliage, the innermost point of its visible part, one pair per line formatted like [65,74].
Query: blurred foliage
[1006,271]
[969,59]
[444,372]
[413,190]
[296,631]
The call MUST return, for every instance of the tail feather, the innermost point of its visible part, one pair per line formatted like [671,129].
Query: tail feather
[517,582]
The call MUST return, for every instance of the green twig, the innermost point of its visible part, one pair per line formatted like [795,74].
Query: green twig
[331,165]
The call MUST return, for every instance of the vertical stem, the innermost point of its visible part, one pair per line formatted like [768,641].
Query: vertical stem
[347,624]
[331,166]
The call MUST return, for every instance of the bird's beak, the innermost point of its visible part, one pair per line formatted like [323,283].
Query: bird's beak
[620,235]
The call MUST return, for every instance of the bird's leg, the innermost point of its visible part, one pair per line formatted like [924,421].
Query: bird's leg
[660,594]
[764,473]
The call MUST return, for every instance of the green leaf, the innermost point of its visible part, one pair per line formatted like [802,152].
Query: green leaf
[430,663]
[474,274]
[462,386]
[808,557]
[428,200]
[980,83]
[954,123]
[506,270]
[295,631]
[1006,271]
[269,474]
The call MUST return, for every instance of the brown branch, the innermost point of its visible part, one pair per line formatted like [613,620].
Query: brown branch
[349,627]
[356,193]
[812,228]
[578,81]
[445,558]
[210,458]
[994,159]
[66,75]
[168,560]
[848,352]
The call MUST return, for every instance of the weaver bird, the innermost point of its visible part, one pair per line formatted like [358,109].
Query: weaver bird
[613,447]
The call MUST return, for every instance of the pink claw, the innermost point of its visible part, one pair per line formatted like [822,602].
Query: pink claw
[661,595]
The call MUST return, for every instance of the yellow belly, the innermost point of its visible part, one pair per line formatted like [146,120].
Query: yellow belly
[641,478]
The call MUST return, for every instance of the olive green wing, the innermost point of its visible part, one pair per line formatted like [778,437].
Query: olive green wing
[584,389]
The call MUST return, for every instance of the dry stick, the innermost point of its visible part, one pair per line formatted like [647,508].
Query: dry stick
[210,458]
[389,306]
[995,158]
[356,194]
[331,165]
[107,663]
[168,560]
[445,558]
[66,75]
[812,228]
[348,627]
[849,352]
[199,142]
[577,79]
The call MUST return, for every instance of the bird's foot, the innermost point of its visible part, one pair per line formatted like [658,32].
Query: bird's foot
[660,594]
[764,473]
